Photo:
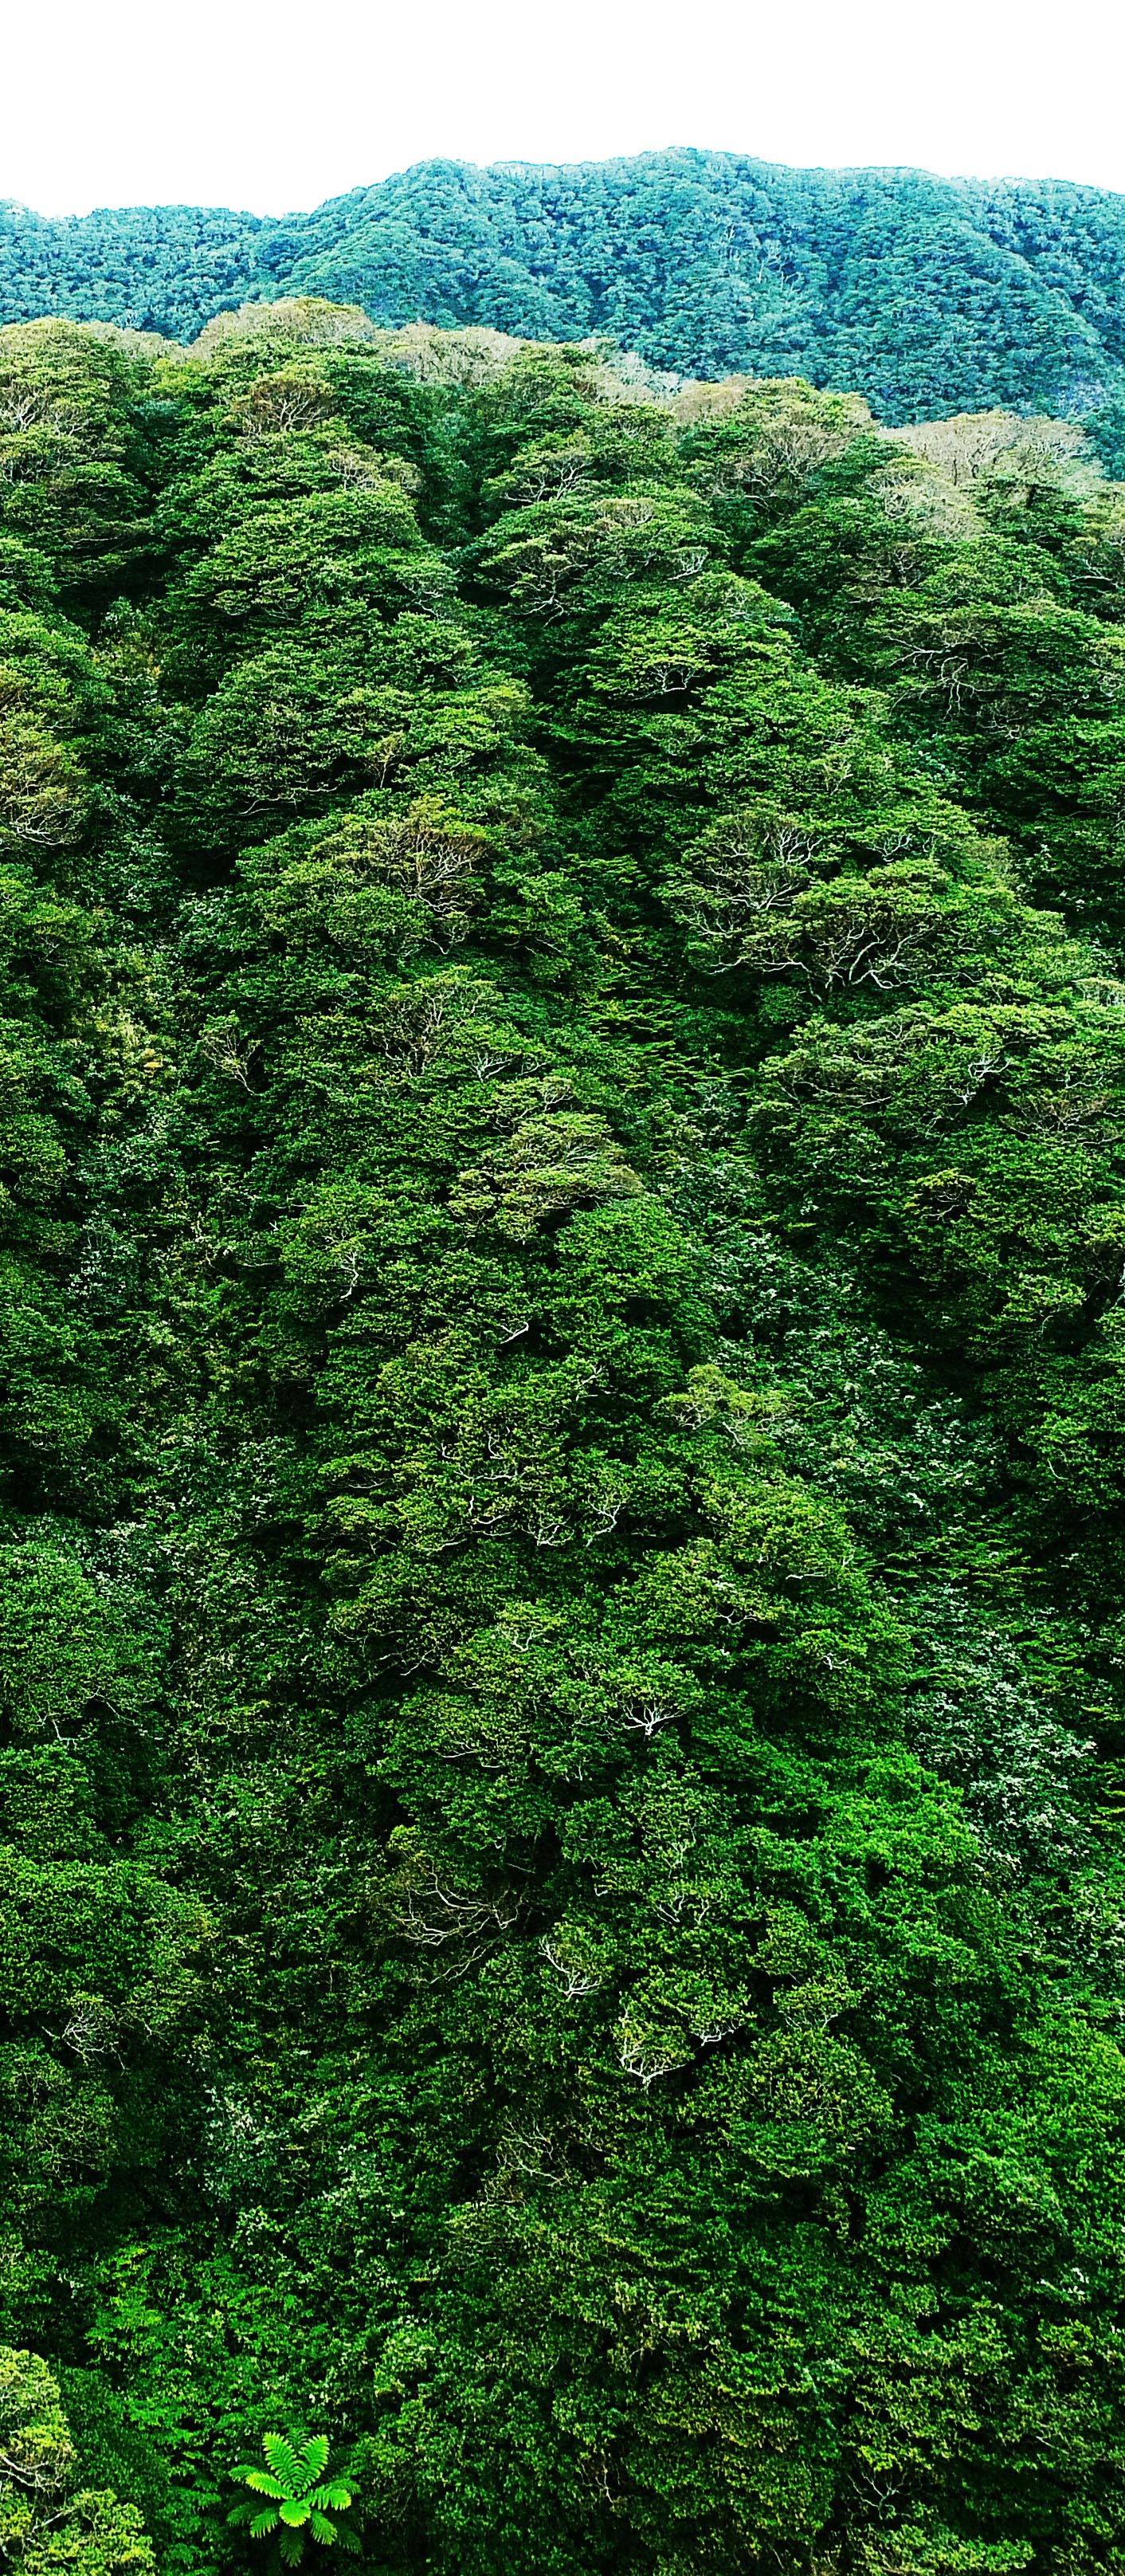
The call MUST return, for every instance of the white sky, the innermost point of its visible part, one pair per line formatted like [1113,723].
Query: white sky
[275,104]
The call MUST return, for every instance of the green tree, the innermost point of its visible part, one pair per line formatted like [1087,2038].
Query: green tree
[47,2521]
[295,2498]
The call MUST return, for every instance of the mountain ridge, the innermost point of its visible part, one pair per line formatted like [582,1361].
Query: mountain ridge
[925,294]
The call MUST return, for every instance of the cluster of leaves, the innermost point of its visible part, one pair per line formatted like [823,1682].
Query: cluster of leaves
[561,1884]
[47,2522]
[294,2498]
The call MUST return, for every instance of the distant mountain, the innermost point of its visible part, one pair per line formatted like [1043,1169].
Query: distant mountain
[928,295]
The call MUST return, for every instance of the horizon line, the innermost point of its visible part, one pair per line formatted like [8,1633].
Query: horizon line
[601,161]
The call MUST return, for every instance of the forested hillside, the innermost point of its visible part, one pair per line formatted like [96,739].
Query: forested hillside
[561,1634]
[926,295]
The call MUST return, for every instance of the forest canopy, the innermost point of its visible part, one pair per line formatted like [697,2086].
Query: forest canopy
[926,295]
[561,1466]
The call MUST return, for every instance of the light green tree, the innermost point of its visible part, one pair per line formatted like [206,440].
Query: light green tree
[47,2521]
[298,2496]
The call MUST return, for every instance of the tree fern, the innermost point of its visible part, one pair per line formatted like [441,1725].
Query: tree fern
[302,2499]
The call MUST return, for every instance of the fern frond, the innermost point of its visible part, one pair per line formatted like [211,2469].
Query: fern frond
[262,2522]
[314,2459]
[333,2497]
[349,2540]
[264,2485]
[294,2511]
[282,2459]
[292,2546]
[321,2529]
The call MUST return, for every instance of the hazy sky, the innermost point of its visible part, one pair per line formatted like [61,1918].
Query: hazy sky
[270,105]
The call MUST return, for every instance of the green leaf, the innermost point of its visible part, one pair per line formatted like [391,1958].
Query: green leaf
[263,2522]
[282,2459]
[334,2496]
[314,2459]
[263,2485]
[294,2511]
[292,2548]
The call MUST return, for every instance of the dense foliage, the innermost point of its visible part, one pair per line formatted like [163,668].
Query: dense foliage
[927,295]
[560,1401]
